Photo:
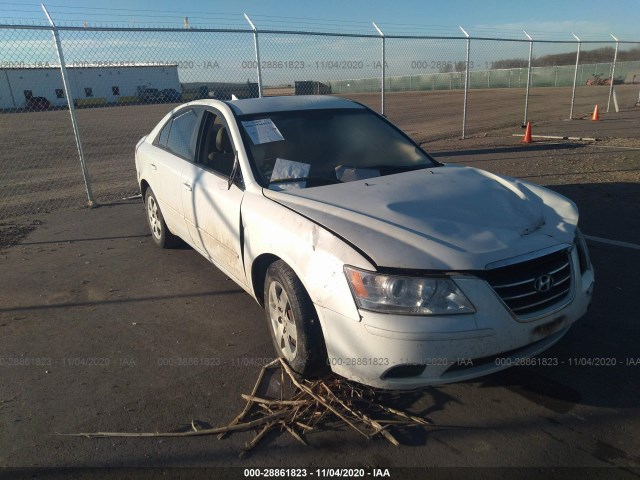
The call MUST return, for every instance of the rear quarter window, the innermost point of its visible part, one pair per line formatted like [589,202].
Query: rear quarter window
[164,135]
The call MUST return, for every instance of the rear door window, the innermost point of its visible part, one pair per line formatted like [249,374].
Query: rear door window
[182,134]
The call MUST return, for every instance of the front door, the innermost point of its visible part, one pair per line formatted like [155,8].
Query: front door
[211,208]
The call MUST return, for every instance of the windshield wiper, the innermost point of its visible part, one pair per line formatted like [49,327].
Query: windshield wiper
[305,179]
[391,169]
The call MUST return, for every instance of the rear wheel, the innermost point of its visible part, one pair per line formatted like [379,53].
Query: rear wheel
[293,321]
[160,234]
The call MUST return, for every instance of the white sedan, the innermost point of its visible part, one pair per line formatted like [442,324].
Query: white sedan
[370,257]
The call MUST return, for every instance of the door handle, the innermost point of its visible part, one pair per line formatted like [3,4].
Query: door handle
[152,165]
[187,186]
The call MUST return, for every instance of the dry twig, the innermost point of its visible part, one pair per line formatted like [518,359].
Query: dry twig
[312,406]
[239,427]
[247,407]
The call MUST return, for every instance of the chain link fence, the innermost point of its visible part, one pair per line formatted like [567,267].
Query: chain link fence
[39,166]
[74,100]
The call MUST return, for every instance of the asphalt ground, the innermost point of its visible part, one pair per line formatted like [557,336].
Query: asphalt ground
[92,315]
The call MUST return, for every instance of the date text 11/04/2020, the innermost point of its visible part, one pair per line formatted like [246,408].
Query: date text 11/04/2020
[318,472]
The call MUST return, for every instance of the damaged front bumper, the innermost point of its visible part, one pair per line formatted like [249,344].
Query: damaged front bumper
[406,352]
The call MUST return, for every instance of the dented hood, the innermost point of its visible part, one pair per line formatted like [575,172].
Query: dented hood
[442,218]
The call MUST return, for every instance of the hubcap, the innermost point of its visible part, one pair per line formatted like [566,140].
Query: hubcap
[282,321]
[154,220]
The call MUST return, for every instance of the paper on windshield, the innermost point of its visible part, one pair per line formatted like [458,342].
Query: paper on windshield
[262,131]
[285,169]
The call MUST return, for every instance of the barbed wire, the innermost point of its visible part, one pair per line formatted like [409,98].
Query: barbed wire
[151,18]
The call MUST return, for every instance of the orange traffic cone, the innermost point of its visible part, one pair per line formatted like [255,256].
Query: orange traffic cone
[595,117]
[527,134]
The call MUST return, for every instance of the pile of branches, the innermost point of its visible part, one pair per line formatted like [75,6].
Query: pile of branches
[300,408]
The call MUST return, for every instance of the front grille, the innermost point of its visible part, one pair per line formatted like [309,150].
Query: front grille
[515,284]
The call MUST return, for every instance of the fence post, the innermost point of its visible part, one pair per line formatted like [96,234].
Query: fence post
[382,91]
[575,77]
[526,98]
[613,70]
[519,77]
[257,51]
[466,83]
[72,110]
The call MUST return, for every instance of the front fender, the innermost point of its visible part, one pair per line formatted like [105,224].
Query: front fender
[315,255]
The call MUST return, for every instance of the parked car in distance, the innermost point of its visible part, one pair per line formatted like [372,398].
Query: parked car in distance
[170,95]
[369,256]
[37,103]
[149,95]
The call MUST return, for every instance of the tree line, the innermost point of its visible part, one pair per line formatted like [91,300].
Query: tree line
[598,55]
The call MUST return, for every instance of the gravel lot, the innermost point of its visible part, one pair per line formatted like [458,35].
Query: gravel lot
[40,172]
[89,286]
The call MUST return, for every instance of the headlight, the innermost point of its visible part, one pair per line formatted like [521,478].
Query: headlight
[406,295]
[583,251]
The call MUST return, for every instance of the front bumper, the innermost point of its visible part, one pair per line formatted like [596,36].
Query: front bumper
[450,347]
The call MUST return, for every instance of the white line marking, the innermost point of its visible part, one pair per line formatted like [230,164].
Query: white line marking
[613,242]
[613,146]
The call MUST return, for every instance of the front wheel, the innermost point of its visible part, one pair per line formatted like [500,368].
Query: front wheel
[293,321]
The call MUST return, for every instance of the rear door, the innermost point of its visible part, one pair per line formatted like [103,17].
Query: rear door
[174,150]
[211,207]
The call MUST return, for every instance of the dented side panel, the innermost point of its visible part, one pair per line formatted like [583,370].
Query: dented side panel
[314,254]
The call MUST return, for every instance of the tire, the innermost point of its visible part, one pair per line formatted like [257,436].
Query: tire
[160,234]
[293,322]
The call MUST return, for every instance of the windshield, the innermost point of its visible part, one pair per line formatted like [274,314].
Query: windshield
[303,149]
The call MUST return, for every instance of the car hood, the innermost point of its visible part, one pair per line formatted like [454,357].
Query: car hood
[442,218]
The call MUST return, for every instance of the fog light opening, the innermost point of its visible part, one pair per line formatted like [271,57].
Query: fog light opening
[404,371]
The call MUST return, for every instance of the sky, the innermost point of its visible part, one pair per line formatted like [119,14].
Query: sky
[230,56]
[551,19]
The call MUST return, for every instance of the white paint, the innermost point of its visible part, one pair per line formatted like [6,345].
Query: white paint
[445,218]
[432,340]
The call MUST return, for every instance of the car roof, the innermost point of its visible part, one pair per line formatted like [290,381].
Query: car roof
[251,106]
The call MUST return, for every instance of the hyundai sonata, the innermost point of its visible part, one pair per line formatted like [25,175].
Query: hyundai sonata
[370,257]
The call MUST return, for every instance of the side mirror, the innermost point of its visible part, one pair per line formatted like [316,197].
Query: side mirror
[234,170]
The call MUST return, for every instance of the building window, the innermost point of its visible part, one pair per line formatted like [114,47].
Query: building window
[115,90]
[59,93]
[28,94]
[88,92]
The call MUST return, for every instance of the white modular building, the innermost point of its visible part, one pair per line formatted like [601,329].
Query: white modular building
[90,84]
